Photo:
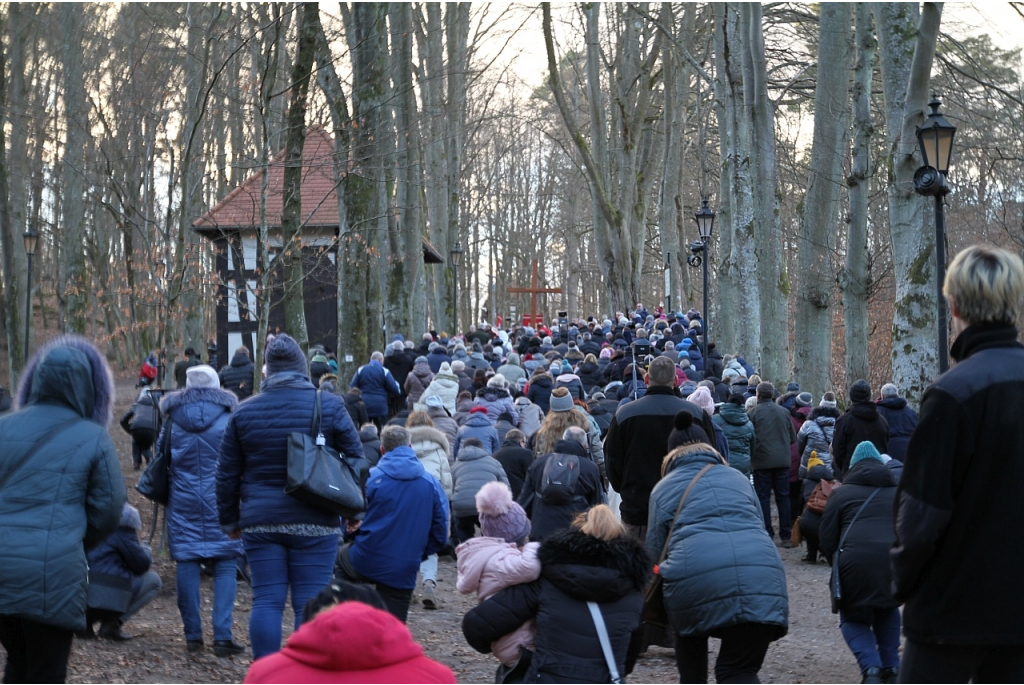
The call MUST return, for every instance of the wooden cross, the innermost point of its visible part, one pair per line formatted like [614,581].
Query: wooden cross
[533,290]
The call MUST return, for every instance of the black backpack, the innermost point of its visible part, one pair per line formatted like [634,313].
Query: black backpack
[145,415]
[558,481]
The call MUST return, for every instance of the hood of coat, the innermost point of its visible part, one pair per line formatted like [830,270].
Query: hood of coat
[865,410]
[568,378]
[870,472]
[824,413]
[586,368]
[419,434]
[130,517]
[542,380]
[196,409]
[472,453]
[597,409]
[733,414]
[401,463]
[71,371]
[423,372]
[493,394]
[693,453]
[242,359]
[438,413]
[478,420]
[590,569]
[896,403]
[373,639]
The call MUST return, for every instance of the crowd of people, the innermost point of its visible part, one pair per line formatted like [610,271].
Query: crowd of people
[564,469]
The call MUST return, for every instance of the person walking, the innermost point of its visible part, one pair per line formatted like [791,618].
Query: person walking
[722,577]
[858,525]
[61,494]
[406,521]
[142,422]
[196,419]
[431,448]
[516,459]
[739,432]
[290,545]
[958,504]
[899,417]
[181,368]
[770,460]
[860,422]
[474,466]
[238,375]
[377,385]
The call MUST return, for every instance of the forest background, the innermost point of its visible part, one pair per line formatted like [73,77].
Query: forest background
[582,136]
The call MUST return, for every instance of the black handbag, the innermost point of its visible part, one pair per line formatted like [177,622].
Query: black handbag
[155,482]
[320,477]
[834,584]
[109,591]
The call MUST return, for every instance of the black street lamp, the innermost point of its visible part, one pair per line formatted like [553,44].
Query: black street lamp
[31,239]
[705,218]
[935,138]
[456,255]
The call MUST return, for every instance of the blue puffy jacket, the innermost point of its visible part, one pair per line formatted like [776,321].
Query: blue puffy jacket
[477,426]
[121,553]
[197,418]
[721,569]
[406,520]
[376,383]
[253,466]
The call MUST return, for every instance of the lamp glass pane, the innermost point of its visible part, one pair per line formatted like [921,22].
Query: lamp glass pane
[944,149]
[929,146]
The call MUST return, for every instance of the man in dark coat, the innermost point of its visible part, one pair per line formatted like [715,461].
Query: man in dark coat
[238,375]
[515,459]
[142,422]
[62,495]
[860,422]
[549,515]
[901,419]
[377,384]
[770,460]
[182,367]
[959,543]
[637,440]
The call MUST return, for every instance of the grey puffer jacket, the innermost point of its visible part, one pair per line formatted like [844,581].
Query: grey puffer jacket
[530,416]
[815,435]
[473,469]
[721,568]
[477,426]
[496,401]
[67,497]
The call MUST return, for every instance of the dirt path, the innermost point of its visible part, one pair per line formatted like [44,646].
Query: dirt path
[812,652]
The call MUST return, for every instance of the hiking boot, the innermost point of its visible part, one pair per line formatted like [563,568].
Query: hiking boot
[890,674]
[87,634]
[809,559]
[872,675]
[429,598]
[111,630]
[193,646]
[227,648]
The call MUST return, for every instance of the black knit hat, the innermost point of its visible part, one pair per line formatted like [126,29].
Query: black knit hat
[685,432]
[284,354]
[860,392]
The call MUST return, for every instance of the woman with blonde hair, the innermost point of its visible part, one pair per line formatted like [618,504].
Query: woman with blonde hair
[592,573]
[561,416]
[432,449]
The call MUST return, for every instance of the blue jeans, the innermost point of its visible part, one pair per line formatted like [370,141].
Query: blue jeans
[765,481]
[280,562]
[224,585]
[874,645]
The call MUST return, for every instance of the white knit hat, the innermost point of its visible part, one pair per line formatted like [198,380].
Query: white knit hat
[202,376]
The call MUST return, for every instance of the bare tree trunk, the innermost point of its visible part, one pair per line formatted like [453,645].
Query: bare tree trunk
[669,207]
[856,279]
[906,59]
[291,212]
[456,20]
[74,284]
[812,359]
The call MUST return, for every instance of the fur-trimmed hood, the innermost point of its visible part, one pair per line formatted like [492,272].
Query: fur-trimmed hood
[428,433]
[196,409]
[594,570]
[824,412]
[493,394]
[695,451]
[70,370]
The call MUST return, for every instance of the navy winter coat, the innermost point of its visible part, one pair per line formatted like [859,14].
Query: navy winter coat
[67,497]
[477,426]
[540,391]
[436,358]
[121,553]
[722,569]
[253,466]
[197,418]
[237,376]
[902,420]
[376,383]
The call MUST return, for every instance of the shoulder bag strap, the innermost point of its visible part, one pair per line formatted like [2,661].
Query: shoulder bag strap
[317,426]
[679,509]
[606,643]
[165,447]
[842,541]
[39,444]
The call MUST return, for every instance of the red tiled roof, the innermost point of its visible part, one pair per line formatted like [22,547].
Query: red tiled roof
[241,207]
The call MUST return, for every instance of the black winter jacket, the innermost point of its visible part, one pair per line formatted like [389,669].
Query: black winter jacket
[959,542]
[902,420]
[540,390]
[589,375]
[546,518]
[861,422]
[237,376]
[865,575]
[636,443]
[516,461]
[356,409]
[576,569]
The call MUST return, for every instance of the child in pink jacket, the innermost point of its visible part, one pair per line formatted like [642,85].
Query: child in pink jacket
[500,559]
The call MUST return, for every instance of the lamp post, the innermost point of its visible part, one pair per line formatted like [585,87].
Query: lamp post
[705,218]
[668,281]
[31,238]
[159,269]
[456,255]
[935,138]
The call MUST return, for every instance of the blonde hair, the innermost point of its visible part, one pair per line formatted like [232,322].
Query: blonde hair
[418,418]
[986,284]
[599,522]
[554,427]
[590,359]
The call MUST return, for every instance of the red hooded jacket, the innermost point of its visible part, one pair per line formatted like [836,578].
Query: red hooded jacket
[350,643]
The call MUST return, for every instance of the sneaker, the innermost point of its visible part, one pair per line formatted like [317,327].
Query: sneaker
[429,599]
[111,630]
[227,648]
[193,646]
[872,675]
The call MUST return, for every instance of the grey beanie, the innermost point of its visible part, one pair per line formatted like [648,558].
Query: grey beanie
[284,354]
[804,399]
[563,403]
